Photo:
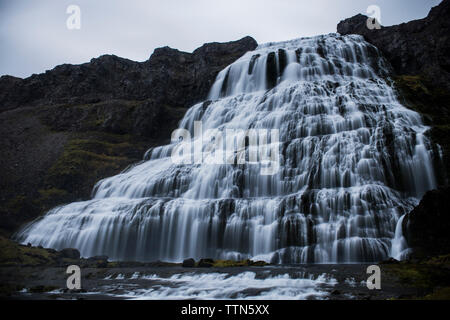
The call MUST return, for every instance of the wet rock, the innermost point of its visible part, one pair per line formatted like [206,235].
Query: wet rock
[96,258]
[390,261]
[271,72]
[70,253]
[90,121]
[282,60]
[252,63]
[426,227]
[417,47]
[258,263]
[335,292]
[205,263]
[188,263]
[223,90]
[98,261]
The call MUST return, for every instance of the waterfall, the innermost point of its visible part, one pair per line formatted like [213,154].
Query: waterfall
[351,161]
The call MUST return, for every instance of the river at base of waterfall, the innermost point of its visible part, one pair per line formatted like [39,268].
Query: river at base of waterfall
[305,282]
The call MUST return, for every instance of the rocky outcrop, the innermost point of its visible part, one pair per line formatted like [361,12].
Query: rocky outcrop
[178,78]
[419,47]
[419,53]
[65,129]
[426,228]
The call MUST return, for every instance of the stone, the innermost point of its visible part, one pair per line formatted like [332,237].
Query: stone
[69,253]
[427,226]
[416,47]
[74,125]
[205,263]
[188,263]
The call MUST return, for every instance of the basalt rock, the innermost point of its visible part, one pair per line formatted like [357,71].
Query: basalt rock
[188,263]
[205,263]
[70,253]
[419,53]
[417,47]
[178,78]
[63,130]
[426,226]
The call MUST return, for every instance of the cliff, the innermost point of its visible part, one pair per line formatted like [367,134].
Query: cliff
[419,53]
[417,47]
[65,129]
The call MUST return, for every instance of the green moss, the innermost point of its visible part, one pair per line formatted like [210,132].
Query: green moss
[12,253]
[113,264]
[15,205]
[439,294]
[82,163]
[7,289]
[433,103]
[419,94]
[413,83]
[52,193]
[427,276]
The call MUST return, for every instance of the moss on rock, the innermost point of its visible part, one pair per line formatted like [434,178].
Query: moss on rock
[433,103]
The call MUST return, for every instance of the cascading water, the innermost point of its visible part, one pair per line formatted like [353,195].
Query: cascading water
[352,162]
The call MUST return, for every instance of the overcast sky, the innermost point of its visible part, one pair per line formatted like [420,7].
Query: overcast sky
[34,36]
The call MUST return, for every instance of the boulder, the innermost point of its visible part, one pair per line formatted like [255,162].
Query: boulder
[205,263]
[426,227]
[188,263]
[69,253]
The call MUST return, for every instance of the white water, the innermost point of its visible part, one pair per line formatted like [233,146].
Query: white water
[353,160]
[245,285]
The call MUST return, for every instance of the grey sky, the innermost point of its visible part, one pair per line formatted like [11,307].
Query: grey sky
[34,36]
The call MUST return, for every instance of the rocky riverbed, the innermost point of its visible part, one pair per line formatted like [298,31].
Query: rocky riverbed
[35,273]
[305,282]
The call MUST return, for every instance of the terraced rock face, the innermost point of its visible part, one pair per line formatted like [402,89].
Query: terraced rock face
[419,47]
[62,131]
[352,161]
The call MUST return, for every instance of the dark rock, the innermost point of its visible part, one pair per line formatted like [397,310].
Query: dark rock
[160,264]
[417,47]
[224,89]
[271,72]
[282,60]
[188,263]
[335,292]
[65,129]
[70,253]
[252,63]
[96,258]
[275,258]
[205,263]
[102,264]
[258,263]
[427,226]
[180,78]
[390,261]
